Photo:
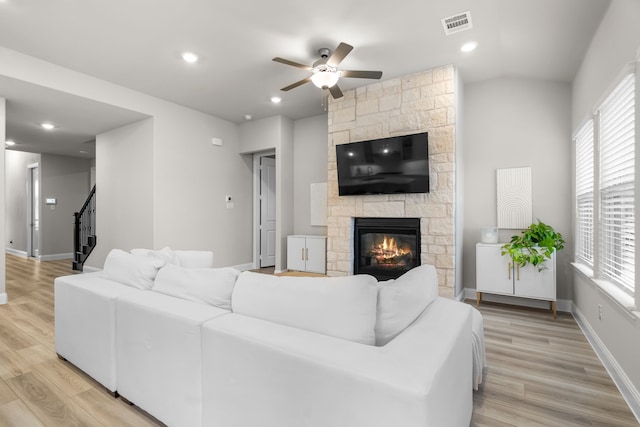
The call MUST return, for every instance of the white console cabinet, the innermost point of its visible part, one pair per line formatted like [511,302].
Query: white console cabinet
[307,253]
[496,274]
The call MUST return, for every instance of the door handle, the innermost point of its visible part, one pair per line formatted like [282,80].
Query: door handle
[307,254]
[302,254]
[509,271]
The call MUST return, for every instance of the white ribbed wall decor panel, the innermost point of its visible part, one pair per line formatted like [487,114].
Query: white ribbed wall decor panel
[514,198]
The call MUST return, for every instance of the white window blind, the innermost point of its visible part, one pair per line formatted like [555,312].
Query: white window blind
[617,159]
[584,194]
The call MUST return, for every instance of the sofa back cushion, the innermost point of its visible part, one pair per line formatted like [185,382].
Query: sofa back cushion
[212,286]
[342,307]
[402,300]
[138,271]
[187,259]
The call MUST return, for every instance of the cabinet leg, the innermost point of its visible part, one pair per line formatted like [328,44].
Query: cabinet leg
[553,307]
[478,298]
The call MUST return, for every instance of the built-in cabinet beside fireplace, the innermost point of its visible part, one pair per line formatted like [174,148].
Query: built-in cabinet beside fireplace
[307,253]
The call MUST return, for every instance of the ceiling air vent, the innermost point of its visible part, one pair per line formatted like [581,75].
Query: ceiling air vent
[456,23]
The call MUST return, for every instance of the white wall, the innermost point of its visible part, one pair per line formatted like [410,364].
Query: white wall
[459,192]
[191,177]
[515,122]
[284,191]
[615,44]
[16,175]
[65,179]
[177,131]
[275,133]
[3,137]
[124,190]
[309,166]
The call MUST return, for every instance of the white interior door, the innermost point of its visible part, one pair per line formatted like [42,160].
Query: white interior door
[267,212]
[33,212]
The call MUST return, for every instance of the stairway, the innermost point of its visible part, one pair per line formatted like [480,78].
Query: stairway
[84,236]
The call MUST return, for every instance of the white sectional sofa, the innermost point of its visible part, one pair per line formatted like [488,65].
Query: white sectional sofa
[198,346]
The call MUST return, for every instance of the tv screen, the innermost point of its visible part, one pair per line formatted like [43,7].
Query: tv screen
[393,165]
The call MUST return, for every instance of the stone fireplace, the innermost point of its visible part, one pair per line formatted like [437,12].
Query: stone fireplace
[421,102]
[386,248]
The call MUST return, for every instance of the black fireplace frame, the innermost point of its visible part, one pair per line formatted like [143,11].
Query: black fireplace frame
[409,226]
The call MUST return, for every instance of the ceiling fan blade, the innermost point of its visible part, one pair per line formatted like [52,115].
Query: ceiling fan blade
[296,84]
[293,64]
[362,74]
[335,92]
[339,54]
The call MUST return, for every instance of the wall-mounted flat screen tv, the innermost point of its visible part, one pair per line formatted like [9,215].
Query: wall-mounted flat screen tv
[399,164]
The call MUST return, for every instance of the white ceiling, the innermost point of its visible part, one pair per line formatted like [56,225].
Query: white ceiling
[138,44]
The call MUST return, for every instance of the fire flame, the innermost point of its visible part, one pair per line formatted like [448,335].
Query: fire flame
[389,252]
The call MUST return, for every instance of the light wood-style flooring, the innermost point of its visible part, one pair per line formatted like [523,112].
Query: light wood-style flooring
[541,372]
[36,388]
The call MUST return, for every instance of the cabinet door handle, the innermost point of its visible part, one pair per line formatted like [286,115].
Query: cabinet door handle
[302,254]
[518,271]
[509,271]
[307,250]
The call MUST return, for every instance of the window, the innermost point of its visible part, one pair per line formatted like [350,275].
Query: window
[617,164]
[584,195]
[605,187]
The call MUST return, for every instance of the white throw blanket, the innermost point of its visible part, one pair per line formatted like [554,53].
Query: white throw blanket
[479,355]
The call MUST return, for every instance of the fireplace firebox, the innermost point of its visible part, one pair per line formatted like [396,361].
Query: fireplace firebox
[386,247]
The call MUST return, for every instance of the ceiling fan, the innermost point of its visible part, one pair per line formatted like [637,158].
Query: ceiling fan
[325,70]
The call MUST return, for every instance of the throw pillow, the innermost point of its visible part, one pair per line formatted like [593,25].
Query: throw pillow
[212,286]
[402,300]
[342,307]
[138,271]
[166,254]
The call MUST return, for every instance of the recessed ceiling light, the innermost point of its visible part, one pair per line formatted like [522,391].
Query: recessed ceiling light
[276,99]
[468,47]
[248,117]
[47,126]
[9,142]
[190,57]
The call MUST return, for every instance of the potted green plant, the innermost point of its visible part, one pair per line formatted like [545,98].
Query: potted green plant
[534,245]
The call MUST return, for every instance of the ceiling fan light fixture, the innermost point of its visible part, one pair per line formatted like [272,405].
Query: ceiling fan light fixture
[190,57]
[469,47]
[325,76]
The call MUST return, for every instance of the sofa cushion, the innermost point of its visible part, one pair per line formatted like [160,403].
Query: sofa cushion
[181,258]
[166,254]
[342,307]
[401,301]
[212,286]
[134,270]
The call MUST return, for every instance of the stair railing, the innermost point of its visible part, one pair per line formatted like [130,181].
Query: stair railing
[84,231]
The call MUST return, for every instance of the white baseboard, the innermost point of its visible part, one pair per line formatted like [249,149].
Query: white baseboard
[52,257]
[21,254]
[55,257]
[4,298]
[563,305]
[617,374]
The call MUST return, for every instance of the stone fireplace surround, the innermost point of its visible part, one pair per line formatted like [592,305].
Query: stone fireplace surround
[420,102]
